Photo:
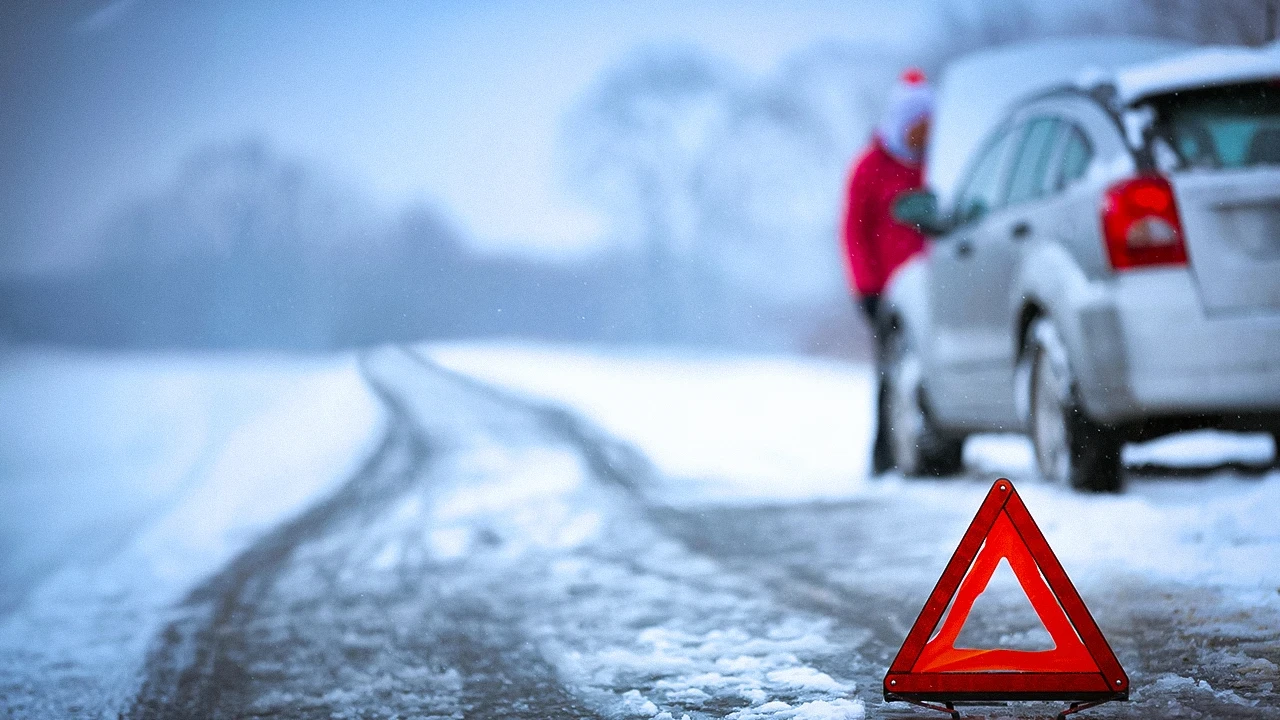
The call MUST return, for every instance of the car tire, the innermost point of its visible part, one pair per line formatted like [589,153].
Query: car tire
[915,444]
[1071,449]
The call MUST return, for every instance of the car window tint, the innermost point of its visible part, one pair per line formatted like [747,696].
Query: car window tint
[1076,154]
[981,192]
[1027,181]
[1232,126]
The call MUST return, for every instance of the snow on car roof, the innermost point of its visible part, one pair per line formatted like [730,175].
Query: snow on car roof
[1198,68]
[977,90]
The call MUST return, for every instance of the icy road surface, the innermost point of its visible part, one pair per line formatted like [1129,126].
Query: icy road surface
[498,556]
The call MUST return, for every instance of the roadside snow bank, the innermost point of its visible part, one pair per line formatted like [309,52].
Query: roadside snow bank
[129,478]
[722,428]
[1215,531]
[1190,517]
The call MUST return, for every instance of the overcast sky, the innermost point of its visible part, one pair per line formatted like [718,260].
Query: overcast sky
[455,103]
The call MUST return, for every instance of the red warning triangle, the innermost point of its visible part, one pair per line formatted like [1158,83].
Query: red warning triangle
[1068,654]
[1080,666]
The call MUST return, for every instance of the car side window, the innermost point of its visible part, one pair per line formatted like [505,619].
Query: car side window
[1029,169]
[981,193]
[1077,153]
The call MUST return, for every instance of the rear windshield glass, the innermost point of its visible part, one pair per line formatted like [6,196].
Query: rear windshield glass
[1223,127]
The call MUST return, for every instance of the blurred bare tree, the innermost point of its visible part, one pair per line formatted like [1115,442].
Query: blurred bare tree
[634,145]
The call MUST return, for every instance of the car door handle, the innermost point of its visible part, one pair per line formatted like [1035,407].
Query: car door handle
[964,248]
[1020,231]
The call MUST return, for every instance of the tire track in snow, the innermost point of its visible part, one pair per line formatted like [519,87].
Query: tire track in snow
[608,458]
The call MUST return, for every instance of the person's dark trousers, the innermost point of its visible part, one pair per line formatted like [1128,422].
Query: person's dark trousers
[870,304]
[881,454]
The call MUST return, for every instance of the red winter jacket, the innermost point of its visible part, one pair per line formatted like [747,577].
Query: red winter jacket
[876,244]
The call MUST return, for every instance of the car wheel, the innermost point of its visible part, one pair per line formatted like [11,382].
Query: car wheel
[915,445]
[1071,449]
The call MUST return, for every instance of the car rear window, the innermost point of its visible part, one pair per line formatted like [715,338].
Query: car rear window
[1231,126]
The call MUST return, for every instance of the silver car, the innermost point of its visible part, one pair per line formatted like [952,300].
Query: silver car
[1108,271]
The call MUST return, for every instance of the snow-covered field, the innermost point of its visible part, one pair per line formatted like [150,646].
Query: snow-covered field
[128,478]
[721,428]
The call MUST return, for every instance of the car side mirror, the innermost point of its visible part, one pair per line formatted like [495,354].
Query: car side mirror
[919,209]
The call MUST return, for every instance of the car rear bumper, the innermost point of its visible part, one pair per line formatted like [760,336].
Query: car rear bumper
[1150,350]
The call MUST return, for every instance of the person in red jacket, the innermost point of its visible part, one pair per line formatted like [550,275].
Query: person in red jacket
[875,243]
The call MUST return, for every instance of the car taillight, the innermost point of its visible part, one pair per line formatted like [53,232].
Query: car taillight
[1140,224]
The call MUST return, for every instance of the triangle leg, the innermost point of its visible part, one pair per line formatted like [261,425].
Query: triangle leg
[1076,707]
[946,707]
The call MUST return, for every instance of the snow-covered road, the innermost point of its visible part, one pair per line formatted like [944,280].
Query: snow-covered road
[493,559]
[643,554]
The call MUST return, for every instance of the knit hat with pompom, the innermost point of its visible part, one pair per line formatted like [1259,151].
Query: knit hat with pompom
[910,100]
